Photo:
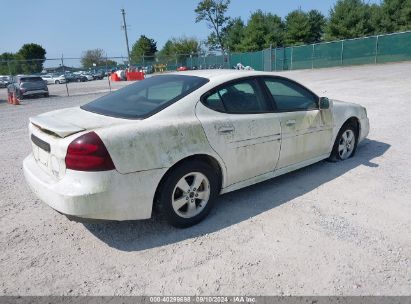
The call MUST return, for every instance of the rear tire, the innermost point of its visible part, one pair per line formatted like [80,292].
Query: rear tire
[57,82]
[186,195]
[345,144]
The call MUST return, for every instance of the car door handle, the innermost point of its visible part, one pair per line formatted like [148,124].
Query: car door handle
[290,122]
[225,130]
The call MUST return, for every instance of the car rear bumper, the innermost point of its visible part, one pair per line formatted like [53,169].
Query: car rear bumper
[106,195]
[35,92]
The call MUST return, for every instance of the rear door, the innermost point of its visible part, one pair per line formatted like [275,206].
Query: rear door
[306,130]
[242,128]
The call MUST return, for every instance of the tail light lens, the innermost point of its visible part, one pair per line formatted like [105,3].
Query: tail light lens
[88,153]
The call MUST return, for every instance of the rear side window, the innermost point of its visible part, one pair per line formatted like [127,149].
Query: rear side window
[214,102]
[146,97]
[290,96]
[242,97]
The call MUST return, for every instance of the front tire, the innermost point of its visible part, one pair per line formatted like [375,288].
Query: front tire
[57,82]
[187,193]
[345,144]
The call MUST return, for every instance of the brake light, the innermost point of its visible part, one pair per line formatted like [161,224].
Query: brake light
[88,153]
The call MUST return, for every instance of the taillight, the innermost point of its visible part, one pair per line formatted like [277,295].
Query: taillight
[88,153]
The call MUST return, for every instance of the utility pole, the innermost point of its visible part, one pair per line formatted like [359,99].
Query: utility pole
[125,32]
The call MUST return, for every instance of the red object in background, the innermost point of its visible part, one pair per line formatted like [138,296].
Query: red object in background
[131,76]
[182,68]
[114,77]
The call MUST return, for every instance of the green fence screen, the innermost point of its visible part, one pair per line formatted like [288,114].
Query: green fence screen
[368,50]
[395,47]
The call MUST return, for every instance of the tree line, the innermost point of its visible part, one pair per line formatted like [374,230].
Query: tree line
[29,59]
[347,19]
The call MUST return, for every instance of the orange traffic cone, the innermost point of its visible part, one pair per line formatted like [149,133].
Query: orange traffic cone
[15,99]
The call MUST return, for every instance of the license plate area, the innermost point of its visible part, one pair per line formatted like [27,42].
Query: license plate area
[41,151]
[40,143]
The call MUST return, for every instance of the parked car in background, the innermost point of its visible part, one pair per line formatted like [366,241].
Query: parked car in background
[182,68]
[24,86]
[179,140]
[4,81]
[75,78]
[88,76]
[98,75]
[56,79]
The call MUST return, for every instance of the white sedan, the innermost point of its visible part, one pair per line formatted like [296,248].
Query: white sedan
[54,79]
[179,140]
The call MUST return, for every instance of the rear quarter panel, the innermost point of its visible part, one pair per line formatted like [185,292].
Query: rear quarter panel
[155,144]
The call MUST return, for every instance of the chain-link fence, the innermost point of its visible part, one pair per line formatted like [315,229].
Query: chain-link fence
[367,50]
[67,76]
[95,77]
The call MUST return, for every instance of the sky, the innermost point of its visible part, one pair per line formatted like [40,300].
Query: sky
[71,27]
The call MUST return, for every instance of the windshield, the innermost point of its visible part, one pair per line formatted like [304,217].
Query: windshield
[146,97]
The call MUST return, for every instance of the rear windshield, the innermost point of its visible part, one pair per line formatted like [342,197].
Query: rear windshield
[146,97]
[30,79]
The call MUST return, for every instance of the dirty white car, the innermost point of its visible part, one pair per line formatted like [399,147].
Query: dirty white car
[179,140]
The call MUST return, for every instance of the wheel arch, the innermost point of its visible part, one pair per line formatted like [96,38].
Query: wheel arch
[352,119]
[208,159]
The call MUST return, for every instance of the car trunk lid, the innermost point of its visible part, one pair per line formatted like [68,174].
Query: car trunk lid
[66,122]
[50,135]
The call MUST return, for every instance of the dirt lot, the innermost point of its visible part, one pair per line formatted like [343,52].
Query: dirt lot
[329,229]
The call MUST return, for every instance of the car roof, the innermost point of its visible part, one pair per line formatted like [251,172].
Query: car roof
[27,76]
[215,74]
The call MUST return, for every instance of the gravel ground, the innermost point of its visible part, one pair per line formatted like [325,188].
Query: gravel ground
[328,229]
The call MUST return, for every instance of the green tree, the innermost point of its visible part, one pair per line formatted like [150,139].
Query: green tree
[181,47]
[395,16]
[91,57]
[213,12]
[34,54]
[317,23]
[144,46]
[297,28]
[349,19]
[234,34]
[110,63]
[263,30]
[7,66]
[184,45]
[168,49]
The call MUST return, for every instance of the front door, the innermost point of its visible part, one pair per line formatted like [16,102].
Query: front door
[306,131]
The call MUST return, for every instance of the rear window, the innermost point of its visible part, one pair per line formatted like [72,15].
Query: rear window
[146,97]
[30,79]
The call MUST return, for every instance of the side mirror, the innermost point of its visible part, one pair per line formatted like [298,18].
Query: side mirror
[324,103]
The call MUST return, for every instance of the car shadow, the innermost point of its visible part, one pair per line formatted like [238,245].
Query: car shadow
[235,207]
